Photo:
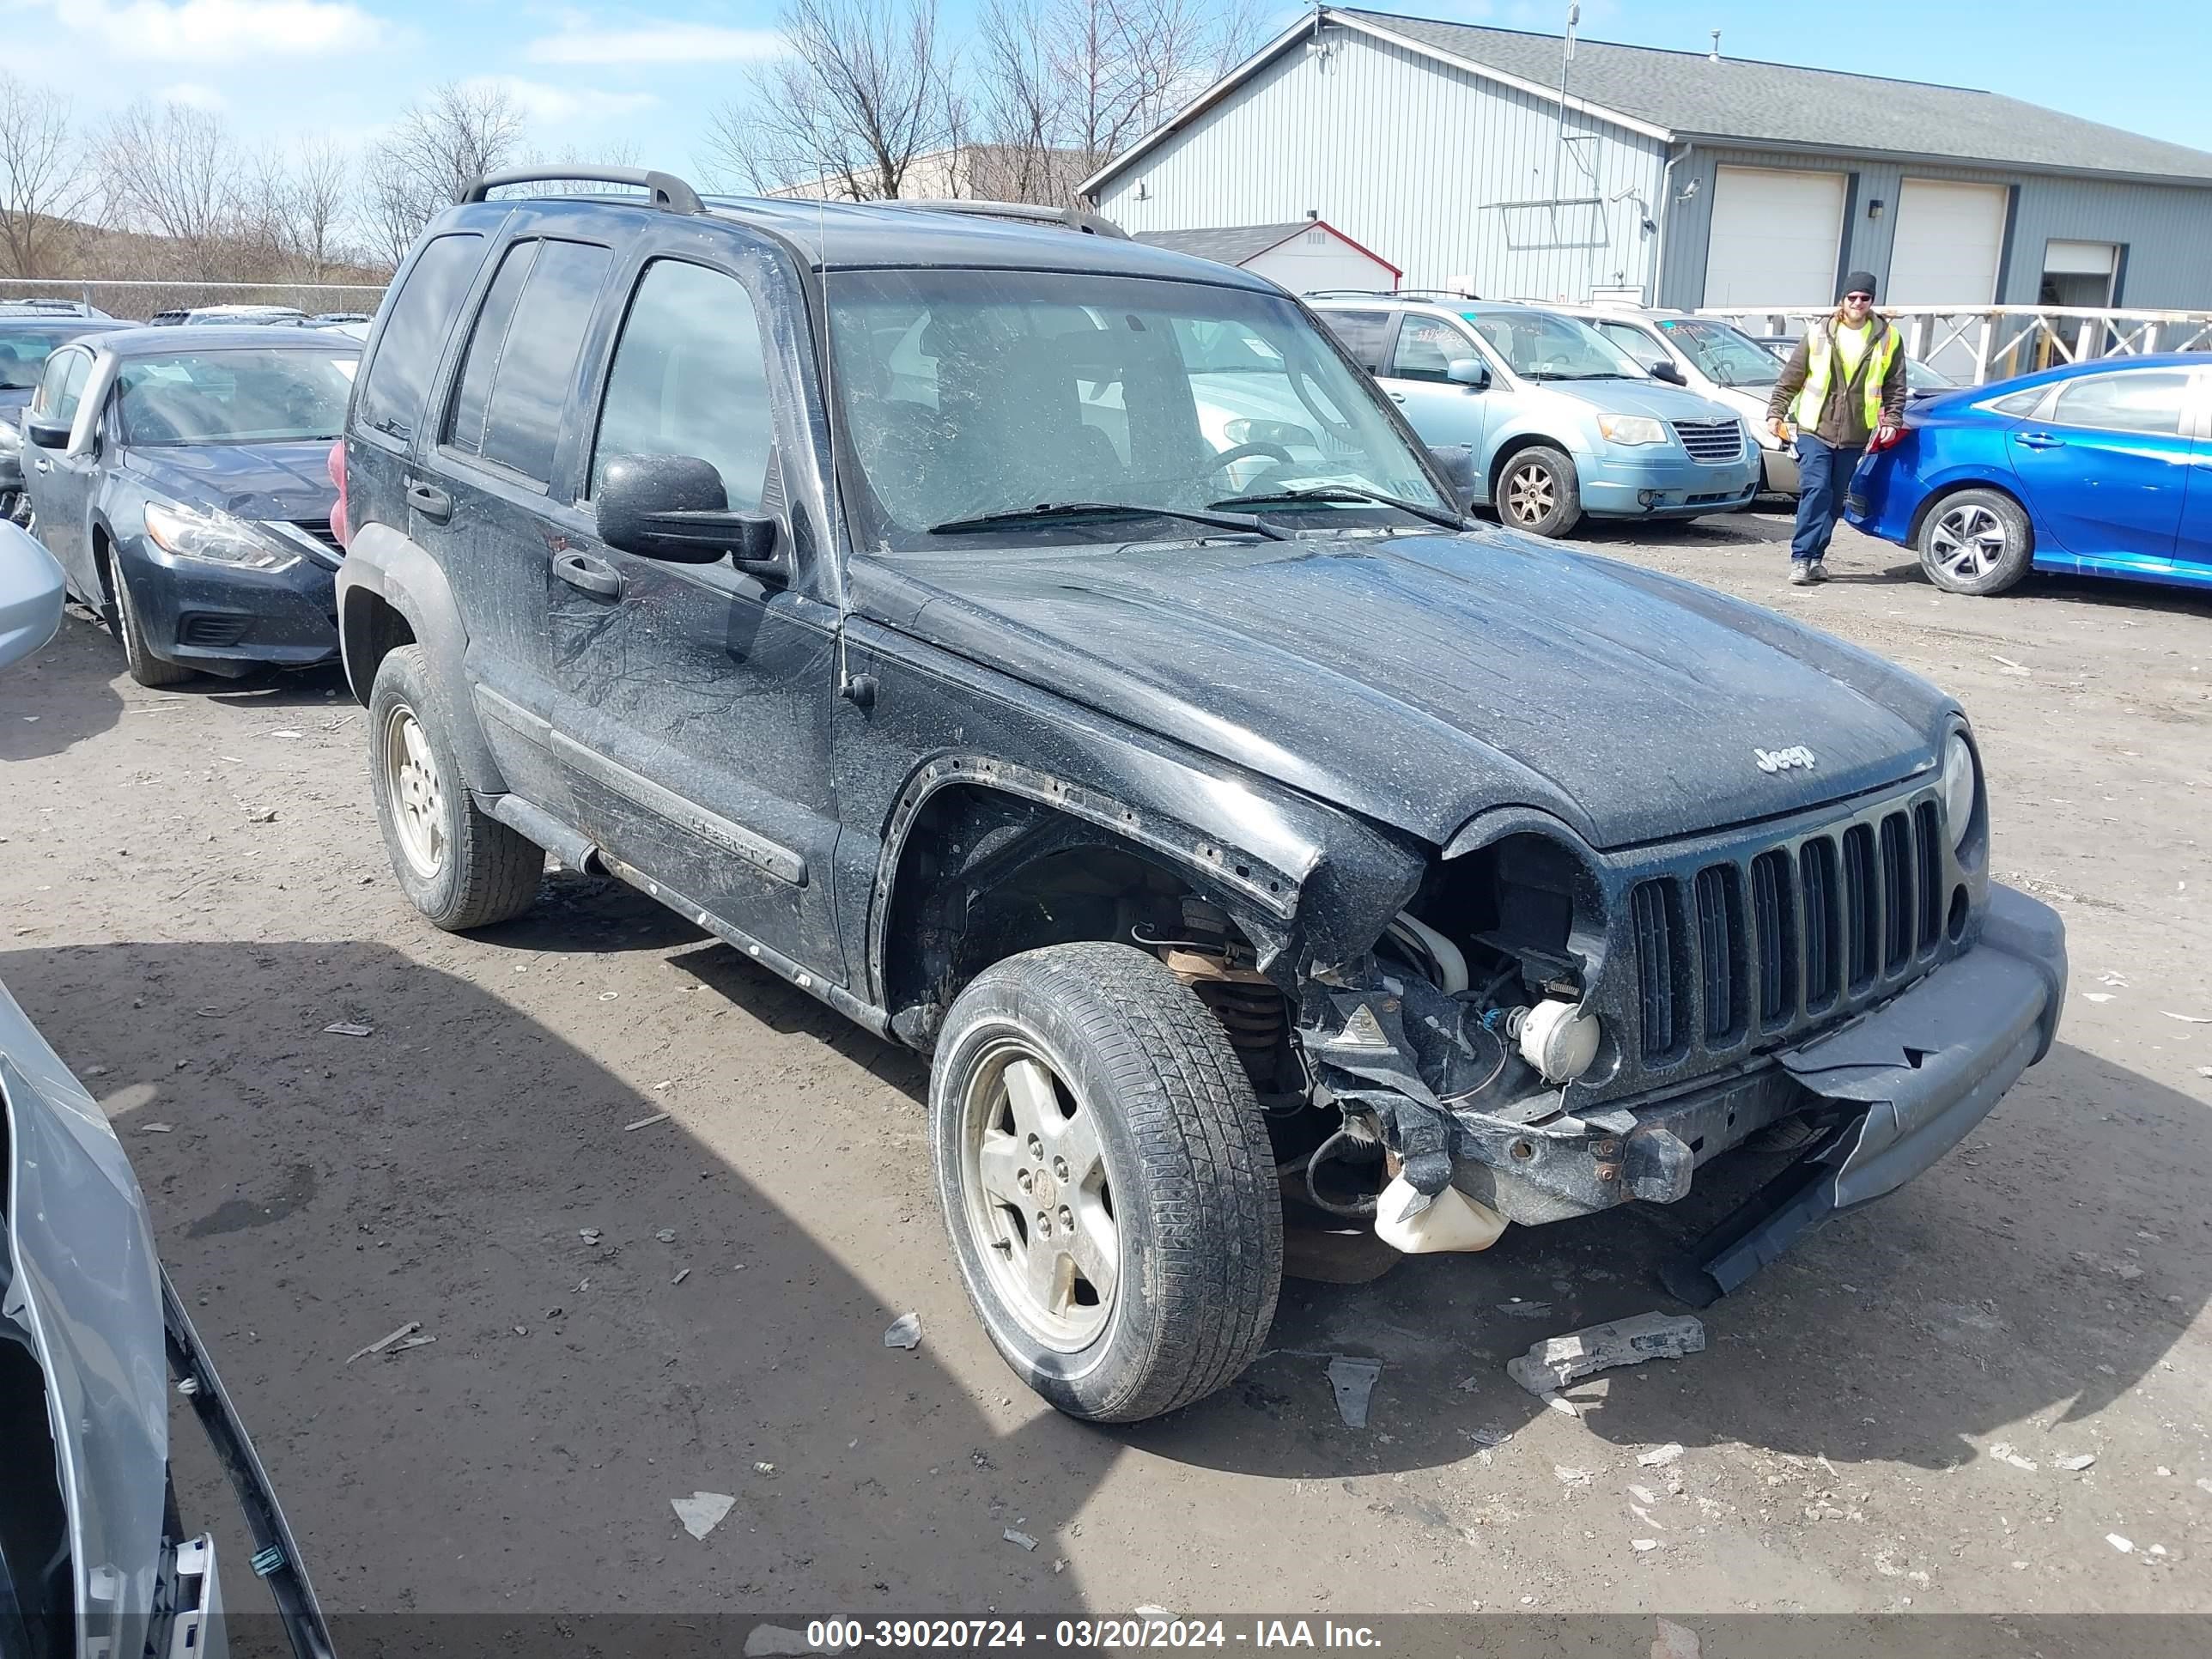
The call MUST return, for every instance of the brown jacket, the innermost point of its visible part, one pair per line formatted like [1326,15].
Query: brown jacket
[1843,421]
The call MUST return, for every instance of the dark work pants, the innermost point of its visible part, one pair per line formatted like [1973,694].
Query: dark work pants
[1824,472]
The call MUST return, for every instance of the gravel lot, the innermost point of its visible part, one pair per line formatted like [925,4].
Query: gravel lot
[1877,1425]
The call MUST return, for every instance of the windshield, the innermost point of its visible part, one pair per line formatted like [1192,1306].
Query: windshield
[966,393]
[1538,345]
[1727,355]
[23,354]
[251,396]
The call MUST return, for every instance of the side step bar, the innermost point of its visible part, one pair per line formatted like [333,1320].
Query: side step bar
[548,831]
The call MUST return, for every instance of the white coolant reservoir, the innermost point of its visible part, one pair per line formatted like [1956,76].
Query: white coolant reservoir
[1450,1221]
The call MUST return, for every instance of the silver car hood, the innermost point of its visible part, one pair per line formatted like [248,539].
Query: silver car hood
[83,1284]
[1653,398]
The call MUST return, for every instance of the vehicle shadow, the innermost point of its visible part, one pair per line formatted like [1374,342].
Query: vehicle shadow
[2044,1268]
[579,914]
[2105,592]
[622,1316]
[277,687]
[64,694]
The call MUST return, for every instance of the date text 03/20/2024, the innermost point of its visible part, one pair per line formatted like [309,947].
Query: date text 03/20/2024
[838,1635]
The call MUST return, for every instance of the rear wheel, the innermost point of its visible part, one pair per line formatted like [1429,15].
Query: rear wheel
[458,865]
[1975,541]
[1539,492]
[1107,1180]
[145,667]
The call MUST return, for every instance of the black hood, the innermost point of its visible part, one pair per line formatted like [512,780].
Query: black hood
[1419,679]
[247,480]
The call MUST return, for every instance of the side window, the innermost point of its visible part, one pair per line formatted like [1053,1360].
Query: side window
[465,420]
[2146,401]
[414,334]
[62,386]
[1641,348]
[691,378]
[530,391]
[1363,333]
[2021,404]
[1426,346]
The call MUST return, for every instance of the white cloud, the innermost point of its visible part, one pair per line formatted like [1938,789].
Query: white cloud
[194,95]
[653,42]
[222,30]
[544,105]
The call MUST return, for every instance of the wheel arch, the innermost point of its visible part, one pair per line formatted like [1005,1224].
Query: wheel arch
[1938,493]
[1515,445]
[969,831]
[389,584]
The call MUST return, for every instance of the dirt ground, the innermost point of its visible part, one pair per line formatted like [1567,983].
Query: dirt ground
[1877,1425]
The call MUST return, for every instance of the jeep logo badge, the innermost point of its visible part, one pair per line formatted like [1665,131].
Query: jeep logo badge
[1781,760]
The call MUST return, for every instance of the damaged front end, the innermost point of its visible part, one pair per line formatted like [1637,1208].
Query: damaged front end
[1542,1030]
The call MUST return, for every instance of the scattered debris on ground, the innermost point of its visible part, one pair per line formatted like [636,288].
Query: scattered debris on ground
[646,1122]
[2119,1543]
[1021,1538]
[1352,1378]
[774,1642]
[384,1342]
[2074,1465]
[1557,1361]
[1660,1455]
[347,1028]
[905,1331]
[702,1511]
[2004,1454]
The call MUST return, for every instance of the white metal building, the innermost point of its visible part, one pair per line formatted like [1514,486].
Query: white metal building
[1682,179]
[1305,256]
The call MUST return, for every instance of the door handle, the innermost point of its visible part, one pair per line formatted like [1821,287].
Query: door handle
[43,466]
[432,502]
[1397,397]
[2038,441]
[588,575]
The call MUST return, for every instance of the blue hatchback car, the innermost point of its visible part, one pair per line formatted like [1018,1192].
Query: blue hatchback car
[2097,469]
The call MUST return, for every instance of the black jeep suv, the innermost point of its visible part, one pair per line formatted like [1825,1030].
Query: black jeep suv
[1052,654]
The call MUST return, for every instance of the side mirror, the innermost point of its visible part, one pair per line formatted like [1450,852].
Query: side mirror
[1470,372]
[674,508]
[1456,463]
[1664,370]
[46,434]
[30,595]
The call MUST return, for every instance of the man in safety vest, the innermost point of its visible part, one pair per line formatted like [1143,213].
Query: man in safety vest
[1844,384]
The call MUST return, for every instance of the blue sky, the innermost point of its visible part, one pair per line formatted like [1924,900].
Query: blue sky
[648,76]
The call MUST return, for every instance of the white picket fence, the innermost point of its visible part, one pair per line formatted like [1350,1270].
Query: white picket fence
[1978,345]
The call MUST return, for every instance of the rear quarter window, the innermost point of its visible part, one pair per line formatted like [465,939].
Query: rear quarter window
[422,312]
[522,356]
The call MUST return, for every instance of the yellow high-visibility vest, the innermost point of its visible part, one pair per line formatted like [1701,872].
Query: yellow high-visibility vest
[1819,367]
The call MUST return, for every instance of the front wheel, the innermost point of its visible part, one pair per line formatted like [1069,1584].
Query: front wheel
[1975,541]
[1539,492]
[1106,1177]
[145,667]
[458,865]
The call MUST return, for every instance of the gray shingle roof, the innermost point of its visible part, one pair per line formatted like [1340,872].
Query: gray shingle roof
[1229,246]
[1689,95]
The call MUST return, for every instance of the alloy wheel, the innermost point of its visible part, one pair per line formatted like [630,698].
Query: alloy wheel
[415,790]
[1967,542]
[1037,1204]
[1531,493]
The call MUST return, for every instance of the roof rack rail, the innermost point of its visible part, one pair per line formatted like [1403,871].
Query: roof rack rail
[1029,212]
[670,194]
[1347,294]
[1438,294]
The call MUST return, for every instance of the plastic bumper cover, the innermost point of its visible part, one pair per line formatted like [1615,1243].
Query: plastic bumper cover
[1777,472]
[211,616]
[1668,486]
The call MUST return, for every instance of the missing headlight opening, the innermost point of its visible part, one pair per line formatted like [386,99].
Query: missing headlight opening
[1461,1026]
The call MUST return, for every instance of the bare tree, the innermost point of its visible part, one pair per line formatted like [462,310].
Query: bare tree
[866,89]
[41,184]
[317,201]
[441,144]
[171,171]
[1064,86]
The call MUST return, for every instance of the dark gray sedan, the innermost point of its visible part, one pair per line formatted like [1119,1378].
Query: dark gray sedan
[182,481]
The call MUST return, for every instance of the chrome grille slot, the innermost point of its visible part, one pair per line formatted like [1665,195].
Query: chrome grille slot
[1710,442]
[1928,837]
[1861,908]
[1774,931]
[1722,960]
[1653,912]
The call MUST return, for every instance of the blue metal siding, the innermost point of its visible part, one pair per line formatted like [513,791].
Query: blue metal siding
[2167,230]
[1411,159]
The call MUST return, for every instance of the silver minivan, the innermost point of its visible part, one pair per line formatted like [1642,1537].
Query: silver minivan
[1562,422]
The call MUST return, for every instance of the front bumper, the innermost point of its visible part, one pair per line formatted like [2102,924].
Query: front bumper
[1777,472]
[214,616]
[1666,486]
[1902,1082]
